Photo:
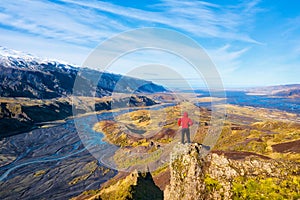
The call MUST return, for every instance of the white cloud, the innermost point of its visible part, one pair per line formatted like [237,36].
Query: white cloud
[61,22]
[200,18]
[226,59]
[88,22]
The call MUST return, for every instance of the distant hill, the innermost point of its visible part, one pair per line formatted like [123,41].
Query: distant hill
[23,75]
[292,90]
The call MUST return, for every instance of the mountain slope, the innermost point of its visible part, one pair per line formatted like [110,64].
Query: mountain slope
[24,75]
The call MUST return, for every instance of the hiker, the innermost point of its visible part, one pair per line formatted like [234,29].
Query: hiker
[185,122]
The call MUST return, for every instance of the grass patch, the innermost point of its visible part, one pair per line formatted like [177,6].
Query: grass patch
[125,160]
[211,184]
[161,169]
[269,188]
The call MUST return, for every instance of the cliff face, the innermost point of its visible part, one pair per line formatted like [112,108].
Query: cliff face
[220,177]
[186,173]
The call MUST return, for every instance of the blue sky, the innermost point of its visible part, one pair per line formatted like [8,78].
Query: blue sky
[252,43]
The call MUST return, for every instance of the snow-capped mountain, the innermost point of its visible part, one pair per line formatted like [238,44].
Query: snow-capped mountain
[10,54]
[25,75]
[19,59]
[6,52]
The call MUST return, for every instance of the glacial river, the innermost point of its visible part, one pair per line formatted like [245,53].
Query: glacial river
[58,152]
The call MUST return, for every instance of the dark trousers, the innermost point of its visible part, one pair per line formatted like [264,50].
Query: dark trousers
[185,131]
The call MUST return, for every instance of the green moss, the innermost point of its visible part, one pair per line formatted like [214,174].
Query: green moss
[228,138]
[253,146]
[269,188]
[161,169]
[120,140]
[165,140]
[211,184]
[255,133]
[177,165]
[141,142]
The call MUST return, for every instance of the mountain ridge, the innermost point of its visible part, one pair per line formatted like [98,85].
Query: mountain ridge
[24,75]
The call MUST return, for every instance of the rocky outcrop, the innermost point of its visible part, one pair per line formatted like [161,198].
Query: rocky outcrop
[186,173]
[215,176]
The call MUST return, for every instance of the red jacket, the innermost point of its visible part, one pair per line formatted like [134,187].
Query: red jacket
[185,121]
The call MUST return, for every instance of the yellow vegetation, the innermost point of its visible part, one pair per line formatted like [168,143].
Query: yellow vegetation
[88,169]
[39,173]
